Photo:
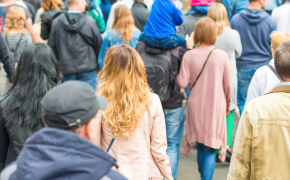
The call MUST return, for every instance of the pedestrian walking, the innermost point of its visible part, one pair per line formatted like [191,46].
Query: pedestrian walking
[281,15]
[133,129]
[67,148]
[262,146]
[20,114]
[198,10]
[207,72]
[140,14]
[123,31]
[266,77]
[229,41]
[16,36]
[235,6]
[76,40]
[254,26]
[51,10]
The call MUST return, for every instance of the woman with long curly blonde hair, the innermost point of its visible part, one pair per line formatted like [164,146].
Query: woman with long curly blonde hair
[123,31]
[134,122]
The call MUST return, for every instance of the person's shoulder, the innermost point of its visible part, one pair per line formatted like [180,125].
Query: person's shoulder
[114,175]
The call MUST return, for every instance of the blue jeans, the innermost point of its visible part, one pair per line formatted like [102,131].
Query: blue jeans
[206,161]
[165,43]
[244,79]
[88,77]
[174,119]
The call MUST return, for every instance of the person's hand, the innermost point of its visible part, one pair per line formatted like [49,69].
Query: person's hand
[10,85]
[228,110]
[189,41]
[60,75]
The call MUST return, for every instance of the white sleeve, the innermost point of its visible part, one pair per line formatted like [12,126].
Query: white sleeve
[110,18]
[254,90]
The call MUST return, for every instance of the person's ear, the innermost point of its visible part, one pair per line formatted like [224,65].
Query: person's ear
[90,130]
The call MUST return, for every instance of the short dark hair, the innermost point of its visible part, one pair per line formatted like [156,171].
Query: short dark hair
[282,60]
[71,2]
[250,1]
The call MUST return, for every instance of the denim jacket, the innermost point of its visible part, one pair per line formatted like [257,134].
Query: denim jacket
[262,142]
[112,39]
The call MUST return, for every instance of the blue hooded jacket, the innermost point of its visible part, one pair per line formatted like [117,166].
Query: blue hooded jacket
[106,8]
[58,154]
[162,20]
[255,27]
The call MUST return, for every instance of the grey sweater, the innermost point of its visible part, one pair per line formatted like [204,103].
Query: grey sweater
[230,42]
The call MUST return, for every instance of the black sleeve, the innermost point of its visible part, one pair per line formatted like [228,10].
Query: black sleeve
[45,27]
[6,58]
[4,141]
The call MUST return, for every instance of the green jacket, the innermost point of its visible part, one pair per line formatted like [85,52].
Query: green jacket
[97,15]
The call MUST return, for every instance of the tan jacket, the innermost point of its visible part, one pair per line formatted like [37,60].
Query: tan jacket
[143,156]
[262,144]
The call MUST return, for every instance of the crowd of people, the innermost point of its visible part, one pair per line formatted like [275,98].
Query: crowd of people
[95,89]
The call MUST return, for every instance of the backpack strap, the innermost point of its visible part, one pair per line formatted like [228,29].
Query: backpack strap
[234,8]
[16,47]
[273,70]
[201,69]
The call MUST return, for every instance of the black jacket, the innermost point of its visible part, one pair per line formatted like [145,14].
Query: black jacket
[75,40]
[140,14]
[175,100]
[46,22]
[6,58]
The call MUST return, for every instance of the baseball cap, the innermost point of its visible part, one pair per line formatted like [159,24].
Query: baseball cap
[71,104]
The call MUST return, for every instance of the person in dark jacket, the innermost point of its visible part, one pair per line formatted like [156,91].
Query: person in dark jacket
[20,112]
[254,26]
[67,148]
[105,7]
[140,14]
[51,10]
[76,40]
[172,108]
[7,59]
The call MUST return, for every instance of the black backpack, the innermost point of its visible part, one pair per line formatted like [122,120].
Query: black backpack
[158,66]
[14,49]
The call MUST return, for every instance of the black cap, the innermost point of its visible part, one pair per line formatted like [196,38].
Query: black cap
[71,104]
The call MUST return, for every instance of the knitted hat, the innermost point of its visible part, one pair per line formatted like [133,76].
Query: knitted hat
[201,3]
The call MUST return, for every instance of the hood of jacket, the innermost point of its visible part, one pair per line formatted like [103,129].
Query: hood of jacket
[254,16]
[73,22]
[58,154]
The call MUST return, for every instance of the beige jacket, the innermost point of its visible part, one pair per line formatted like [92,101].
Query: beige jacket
[262,144]
[143,156]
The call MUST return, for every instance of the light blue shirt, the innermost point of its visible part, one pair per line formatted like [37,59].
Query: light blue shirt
[283,84]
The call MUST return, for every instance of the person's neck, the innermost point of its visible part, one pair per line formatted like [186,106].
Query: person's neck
[255,5]
[285,80]
[203,45]
[13,31]
[73,8]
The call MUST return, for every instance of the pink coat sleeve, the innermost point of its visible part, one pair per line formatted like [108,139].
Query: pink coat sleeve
[183,77]
[227,81]
[159,143]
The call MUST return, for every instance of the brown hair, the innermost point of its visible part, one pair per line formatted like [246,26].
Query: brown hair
[124,22]
[205,32]
[51,4]
[123,82]
[277,37]
[15,19]
[218,13]
[282,60]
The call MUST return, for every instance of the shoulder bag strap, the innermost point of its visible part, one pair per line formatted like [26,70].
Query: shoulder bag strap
[16,47]
[273,70]
[201,69]
[234,8]
[111,143]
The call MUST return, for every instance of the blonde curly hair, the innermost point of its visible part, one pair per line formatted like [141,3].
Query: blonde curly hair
[123,82]
[15,19]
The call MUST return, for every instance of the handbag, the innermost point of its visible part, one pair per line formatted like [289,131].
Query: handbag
[201,69]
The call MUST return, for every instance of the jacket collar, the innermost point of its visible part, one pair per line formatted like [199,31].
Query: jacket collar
[285,89]
[139,4]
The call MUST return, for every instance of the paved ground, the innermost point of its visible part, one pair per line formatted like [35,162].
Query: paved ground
[188,169]
[187,166]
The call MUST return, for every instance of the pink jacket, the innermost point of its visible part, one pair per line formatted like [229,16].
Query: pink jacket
[143,156]
[201,3]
